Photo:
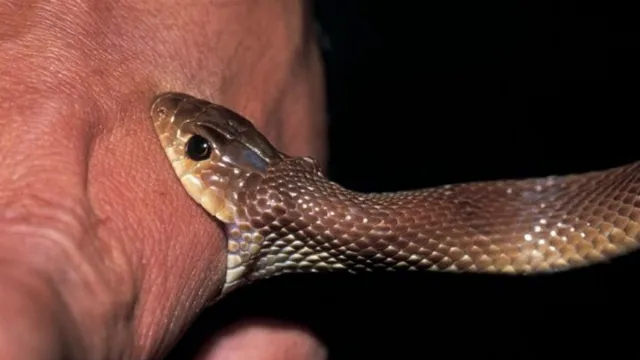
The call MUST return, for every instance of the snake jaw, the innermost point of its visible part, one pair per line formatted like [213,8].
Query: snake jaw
[196,179]
[174,120]
[210,199]
[215,204]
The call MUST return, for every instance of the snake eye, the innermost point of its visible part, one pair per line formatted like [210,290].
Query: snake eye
[198,148]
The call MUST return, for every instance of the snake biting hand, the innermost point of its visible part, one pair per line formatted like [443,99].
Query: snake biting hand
[282,215]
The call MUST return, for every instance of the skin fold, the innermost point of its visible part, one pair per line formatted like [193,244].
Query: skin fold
[93,266]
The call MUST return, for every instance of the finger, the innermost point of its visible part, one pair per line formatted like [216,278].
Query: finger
[264,340]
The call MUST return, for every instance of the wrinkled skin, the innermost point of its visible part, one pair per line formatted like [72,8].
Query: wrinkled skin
[102,254]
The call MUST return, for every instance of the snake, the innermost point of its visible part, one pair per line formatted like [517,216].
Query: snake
[280,214]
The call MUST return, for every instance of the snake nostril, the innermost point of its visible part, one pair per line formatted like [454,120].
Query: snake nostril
[165,103]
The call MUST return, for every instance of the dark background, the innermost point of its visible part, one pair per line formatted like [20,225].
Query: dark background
[465,91]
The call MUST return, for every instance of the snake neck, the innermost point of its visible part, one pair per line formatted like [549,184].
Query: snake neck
[298,221]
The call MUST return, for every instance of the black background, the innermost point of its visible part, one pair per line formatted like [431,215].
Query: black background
[466,91]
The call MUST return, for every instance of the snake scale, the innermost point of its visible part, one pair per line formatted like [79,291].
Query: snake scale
[282,215]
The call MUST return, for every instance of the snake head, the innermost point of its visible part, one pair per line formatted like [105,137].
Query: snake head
[213,150]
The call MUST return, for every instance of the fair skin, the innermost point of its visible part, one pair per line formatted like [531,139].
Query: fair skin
[102,253]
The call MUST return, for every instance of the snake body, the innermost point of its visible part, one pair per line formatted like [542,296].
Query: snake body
[282,215]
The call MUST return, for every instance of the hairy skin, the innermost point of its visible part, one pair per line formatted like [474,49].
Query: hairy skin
[102,254]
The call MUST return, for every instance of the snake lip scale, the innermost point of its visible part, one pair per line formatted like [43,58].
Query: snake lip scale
[282,215]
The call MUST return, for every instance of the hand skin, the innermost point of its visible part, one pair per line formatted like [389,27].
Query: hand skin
[102,253]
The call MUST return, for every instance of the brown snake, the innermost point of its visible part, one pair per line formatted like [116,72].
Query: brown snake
[282,215]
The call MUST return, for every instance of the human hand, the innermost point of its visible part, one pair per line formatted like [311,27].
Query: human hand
[103,255]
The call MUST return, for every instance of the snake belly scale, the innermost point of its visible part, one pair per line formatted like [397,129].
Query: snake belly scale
[282,215]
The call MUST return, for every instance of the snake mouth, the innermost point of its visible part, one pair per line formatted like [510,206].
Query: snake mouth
[227,155]
[206,182]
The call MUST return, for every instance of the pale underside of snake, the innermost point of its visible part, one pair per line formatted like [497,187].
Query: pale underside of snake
[282,215]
